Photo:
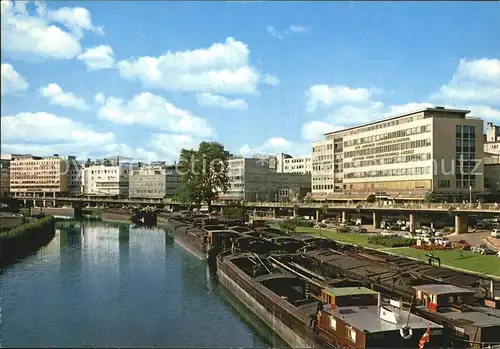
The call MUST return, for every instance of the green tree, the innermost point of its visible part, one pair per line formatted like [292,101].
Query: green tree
[235,210]
[203,174]
[288,225]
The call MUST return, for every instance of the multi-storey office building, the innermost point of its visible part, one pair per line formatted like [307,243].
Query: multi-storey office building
[39,176]
[432,149]
[289,164]
[102,180]
[154,181]
[5,175]
[492,139]
[253,179]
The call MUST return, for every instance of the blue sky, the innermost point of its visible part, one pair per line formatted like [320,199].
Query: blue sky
[145,79]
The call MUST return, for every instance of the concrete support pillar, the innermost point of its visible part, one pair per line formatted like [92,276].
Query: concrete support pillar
[376,220]
[34,202]
[345,216]
[44,203]
[274,213]
[295,213]
[54,203]
[254,212]
[317,215]
[461,223]
[414,222]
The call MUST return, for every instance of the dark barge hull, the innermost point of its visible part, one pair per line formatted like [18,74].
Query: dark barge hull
[284,319]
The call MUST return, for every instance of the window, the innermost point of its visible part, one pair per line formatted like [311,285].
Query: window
[333,323]
[351,334]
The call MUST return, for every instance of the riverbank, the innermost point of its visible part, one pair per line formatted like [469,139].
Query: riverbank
[465,261]
[25,238]
[117,215]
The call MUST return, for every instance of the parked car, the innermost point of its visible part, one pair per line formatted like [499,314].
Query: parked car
[482,249]
[388,233]
[410,236]
[498,254]
[461,245]
[442,241]
[357,229]
[495,233]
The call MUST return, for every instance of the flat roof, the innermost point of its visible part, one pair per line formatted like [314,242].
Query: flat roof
[367,318]
[346,291]
[442,289]
[479,316]
[397,116]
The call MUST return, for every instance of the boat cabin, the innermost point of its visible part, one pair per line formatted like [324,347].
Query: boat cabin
[355,318]
[436,296]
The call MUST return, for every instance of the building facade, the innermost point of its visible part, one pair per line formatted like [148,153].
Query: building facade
[154,181]
[38,176]
[104,180]
[429,150]
[492,139]
[255,179]
[5,175]
[289,164]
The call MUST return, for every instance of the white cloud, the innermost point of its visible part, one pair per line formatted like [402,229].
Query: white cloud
[152,110]
[281,34]
[97,58]
[328,95]
[39,127]
[57,96]
[314,130]
[473,81]
[12,81]
[270,80]
[76,19]
[99,98]
[221,68]
[276,145]
[211,100]
[36,33]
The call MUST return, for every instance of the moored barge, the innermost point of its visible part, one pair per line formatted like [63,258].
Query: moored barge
[305,312]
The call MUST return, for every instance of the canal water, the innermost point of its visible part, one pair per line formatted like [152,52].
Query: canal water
[110,285]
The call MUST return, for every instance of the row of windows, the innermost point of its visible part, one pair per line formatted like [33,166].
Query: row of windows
[390,135]
[391,172]
[149,184]
[389,160]
[391,123]
[466,129]
[389,148]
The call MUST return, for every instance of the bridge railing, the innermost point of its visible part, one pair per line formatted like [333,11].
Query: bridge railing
[319,205]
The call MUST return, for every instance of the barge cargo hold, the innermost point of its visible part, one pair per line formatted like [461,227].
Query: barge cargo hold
[313,313]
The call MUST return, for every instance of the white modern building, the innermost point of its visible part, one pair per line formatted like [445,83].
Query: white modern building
[492,139]
[289,164]
[405,156]
[256,179]
[103,180]
[154,181]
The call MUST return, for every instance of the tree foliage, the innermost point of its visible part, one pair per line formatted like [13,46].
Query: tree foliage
[235,210]
[203,174]
[288,225]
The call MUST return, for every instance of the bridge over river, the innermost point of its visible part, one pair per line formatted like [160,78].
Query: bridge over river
[461,212]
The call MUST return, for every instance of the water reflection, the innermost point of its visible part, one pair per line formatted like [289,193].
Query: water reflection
[109,285]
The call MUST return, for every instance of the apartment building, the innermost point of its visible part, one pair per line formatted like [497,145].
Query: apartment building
[5,175]
[39,176]
[107,180]
[154,181]
[289,164]
[431,149]
[492,139]
[256,179]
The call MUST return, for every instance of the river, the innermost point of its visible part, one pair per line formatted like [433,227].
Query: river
[100,284]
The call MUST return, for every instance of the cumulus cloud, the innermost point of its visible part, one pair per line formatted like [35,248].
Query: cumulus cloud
[211,100]
[99,98]
[154,111]
[314,130]
[12,81]
[328,95]
[276,145]
[55,94]
[281,34]
[474,80]
[43,33]
[98,58]
[39,127]
[221,68]
[270,80]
